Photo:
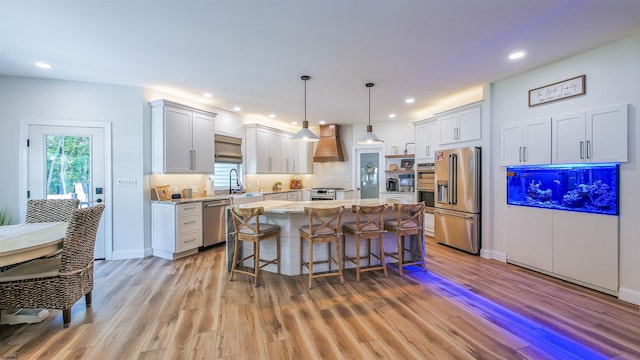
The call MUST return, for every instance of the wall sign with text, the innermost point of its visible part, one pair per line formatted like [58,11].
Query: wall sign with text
[558,91]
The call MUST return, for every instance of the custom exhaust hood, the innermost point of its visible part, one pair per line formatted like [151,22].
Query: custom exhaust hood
[330,146]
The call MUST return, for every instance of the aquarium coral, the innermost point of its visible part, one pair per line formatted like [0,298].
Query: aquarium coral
[534,191]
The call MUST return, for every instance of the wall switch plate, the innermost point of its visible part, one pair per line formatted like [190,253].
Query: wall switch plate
[126,182]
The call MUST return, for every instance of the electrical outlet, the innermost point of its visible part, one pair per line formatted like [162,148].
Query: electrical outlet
[194,188]
[126,182]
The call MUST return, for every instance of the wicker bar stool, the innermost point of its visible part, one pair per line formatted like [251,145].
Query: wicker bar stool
[369,225]
[409,222]
[324,227]
[247,227]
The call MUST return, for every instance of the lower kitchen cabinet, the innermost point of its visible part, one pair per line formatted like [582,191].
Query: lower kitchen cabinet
[176,230]
[577,247]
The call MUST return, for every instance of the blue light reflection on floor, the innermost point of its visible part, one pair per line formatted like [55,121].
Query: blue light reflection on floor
[538,335]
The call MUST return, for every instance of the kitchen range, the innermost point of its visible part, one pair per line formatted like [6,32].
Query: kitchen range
[324,193]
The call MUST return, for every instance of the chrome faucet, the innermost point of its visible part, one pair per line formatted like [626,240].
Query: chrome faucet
[237,180]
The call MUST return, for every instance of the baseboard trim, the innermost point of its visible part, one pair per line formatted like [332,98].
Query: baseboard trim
[629,295]
[130,254]
[494,255]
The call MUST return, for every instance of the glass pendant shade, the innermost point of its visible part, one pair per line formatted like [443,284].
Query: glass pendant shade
[305,134]
[369,137]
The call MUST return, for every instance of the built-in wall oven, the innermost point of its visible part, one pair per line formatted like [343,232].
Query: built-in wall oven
[324,193]
[426,183]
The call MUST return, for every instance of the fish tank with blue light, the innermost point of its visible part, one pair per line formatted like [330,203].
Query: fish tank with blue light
[591,188]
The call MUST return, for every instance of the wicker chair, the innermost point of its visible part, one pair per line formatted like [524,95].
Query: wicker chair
[50,210]
[58,282]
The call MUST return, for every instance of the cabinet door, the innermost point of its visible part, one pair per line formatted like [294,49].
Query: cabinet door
[585,248]
[275,153]
[511,144]
[568,141]
[607,134]
[530,237]
[423,138]
[537,141]
[305,162]
[263,160]
[178,130]
[203,143]
[448,125]
[469,125]
[434,140]
[289,155]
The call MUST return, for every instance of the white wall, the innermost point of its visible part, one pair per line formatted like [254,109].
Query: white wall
[612,77]
[122,106]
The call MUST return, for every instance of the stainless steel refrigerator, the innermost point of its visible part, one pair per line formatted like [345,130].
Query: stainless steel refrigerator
[457,198]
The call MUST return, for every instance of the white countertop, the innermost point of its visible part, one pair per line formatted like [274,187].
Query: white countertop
[297,207]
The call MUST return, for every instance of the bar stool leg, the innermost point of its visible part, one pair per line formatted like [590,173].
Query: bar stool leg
[301,259]
[358,258]
[338,257]
[382,257]
[278,251]
[234,261]
[256,261]
[400,251]
[310,264]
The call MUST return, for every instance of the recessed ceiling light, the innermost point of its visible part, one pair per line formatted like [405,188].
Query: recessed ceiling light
[208,95]
[42,65]
[272,115]
[410,100]
[392,115]
[322,122]
[294,123]
[516,55]
[237,108]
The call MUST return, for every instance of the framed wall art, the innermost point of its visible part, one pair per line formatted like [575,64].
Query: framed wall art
[557,91]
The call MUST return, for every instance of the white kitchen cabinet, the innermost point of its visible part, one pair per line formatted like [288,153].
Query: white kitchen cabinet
[578,247]
[176,230]
[271,151]
[392,197]
[595,136]
[427,140]
[459,125]
[429,224]
[530,237]
[585,248]
[293,196]
[526,142]
[182,139]
[245,199]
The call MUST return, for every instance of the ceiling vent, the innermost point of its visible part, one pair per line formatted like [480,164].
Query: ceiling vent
[329,147]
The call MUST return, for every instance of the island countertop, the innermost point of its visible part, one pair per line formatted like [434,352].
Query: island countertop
[297,207]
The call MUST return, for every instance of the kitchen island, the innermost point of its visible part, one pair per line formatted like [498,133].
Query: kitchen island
[289,215]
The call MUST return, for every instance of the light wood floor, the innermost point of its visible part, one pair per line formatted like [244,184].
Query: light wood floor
[463,307]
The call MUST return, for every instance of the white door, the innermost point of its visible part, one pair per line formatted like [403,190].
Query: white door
[68,162]
[368,170]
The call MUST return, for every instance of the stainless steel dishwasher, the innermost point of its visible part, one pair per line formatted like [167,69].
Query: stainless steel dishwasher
[213,219]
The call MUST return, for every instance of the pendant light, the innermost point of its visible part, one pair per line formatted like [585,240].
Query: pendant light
[305,134]
[369,137]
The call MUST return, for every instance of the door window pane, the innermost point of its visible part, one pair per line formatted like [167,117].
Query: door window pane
[68,168]
[369,175]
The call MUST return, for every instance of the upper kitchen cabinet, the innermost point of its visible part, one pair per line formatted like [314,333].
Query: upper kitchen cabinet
[526,142]
[462,124]
[595,136]
[427,139]
[182,139]
[271,151]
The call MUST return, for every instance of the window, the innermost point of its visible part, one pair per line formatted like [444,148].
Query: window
[221,177]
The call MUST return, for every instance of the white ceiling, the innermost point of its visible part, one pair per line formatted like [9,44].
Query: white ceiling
[251,53]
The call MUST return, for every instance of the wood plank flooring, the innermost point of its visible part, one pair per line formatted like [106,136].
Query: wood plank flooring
[462,307]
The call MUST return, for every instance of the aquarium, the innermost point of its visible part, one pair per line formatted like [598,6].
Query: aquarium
[585,188]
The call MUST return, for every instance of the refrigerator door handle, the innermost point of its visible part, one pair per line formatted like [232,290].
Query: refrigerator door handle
[454,179]
[469,217]
[449,189]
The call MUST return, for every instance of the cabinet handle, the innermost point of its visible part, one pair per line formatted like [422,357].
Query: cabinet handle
[193,159]
[458,134]
[190,222]
[520,154]
[581,149]
[189,208]
[190,240]
[269,163]
[294,165]
[524,154]
[426,150]
[589,149]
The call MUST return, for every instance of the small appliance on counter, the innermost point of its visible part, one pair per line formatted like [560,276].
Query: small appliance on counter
[392,184]
[296,184]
